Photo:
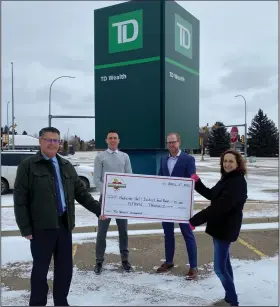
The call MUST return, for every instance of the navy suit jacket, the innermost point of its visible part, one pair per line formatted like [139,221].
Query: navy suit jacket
[184,167]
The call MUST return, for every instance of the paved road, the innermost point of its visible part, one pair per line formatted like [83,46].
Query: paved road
[146,251]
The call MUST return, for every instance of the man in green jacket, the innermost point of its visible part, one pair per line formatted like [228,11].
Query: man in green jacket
[45,191]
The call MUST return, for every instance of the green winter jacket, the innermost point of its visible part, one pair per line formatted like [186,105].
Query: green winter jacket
[35,202]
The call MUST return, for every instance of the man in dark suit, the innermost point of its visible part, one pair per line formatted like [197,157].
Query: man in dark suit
[46,188]
[178,164]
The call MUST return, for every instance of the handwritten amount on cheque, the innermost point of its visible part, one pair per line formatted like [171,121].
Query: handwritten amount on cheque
[149,202]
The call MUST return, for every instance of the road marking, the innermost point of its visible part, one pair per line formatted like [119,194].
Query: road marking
[75,246]
[252,248]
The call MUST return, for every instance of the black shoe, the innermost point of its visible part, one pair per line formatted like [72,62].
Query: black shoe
[98,268]
[126,266]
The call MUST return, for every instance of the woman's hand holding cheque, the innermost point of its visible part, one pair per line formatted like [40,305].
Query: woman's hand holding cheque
[195,178]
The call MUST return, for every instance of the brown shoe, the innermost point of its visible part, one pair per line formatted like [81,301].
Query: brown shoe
[192,274]
[220,303]
[165,267]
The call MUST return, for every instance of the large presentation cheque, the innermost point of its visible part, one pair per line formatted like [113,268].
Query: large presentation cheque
[132,196]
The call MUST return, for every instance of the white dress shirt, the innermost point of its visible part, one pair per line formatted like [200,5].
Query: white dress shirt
[172,161]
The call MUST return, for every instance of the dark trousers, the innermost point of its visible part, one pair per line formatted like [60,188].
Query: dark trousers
[170,242]
[45,243]
[223,269]
[100,247]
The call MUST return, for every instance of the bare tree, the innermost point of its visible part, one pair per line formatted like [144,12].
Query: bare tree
[75,142]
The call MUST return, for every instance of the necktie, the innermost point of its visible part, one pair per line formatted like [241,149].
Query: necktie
[58,195]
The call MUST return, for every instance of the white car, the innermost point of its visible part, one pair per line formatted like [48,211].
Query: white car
[10,159]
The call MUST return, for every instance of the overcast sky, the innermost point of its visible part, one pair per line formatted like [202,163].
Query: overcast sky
[238,55]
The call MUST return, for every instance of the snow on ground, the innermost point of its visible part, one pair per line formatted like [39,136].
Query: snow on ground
[85,218]
[264,163]
[260,187]
[256,283]
[7,200]
[211,163]
[214,162]
[17,249]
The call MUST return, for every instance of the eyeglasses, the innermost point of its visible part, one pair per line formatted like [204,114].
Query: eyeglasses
[113,138]
[56,141]
[171,143]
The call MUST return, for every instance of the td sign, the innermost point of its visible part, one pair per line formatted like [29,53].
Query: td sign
[183,36]
[146,52]
[126,31]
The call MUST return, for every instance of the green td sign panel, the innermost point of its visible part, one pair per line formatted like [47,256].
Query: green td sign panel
[181,77]
[127,74]
[146,69]
[126,31]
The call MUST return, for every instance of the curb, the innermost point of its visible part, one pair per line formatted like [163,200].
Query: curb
[144,226]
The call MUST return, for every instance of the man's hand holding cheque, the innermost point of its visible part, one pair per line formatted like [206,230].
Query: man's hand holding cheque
[103,217]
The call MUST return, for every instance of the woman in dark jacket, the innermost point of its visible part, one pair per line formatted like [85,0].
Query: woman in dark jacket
[224,215]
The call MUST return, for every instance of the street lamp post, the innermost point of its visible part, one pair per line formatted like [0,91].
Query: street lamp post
[202,132]
[50,95]
[245,134]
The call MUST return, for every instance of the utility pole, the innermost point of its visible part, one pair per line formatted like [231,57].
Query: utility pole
[202,157]
[13,108]
[8,124]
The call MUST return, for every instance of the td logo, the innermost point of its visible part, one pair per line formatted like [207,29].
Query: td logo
[183,36]
[126,31]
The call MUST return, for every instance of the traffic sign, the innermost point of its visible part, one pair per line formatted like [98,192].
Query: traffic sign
[234,135]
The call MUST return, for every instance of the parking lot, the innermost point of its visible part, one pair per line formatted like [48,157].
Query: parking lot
[255,254]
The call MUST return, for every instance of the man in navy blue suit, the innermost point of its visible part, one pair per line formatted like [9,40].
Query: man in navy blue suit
[178,164]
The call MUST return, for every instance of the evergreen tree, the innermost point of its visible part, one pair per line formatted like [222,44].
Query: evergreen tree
[218,140]
[277,143]
[263,137]
[24,133]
